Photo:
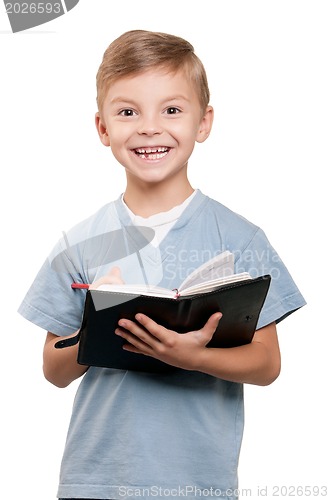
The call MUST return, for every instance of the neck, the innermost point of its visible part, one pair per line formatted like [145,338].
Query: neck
[152,199]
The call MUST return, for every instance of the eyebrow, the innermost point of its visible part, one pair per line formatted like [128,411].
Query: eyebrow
[176,98]
[125,100]
[122,100]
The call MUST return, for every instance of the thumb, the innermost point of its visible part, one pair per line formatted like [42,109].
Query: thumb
[204,335]
[115,273]
[211,325]
[110,278]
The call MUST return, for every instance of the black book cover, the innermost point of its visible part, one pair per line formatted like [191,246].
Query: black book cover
[239,302]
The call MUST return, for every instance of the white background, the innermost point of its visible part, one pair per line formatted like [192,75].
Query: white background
[267,63]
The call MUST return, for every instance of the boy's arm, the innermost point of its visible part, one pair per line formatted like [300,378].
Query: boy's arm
[255,363]
[60,366]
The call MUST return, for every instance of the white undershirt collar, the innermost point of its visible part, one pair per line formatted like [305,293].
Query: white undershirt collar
[161,222]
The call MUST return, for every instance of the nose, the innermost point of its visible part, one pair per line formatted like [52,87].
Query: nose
[149,125]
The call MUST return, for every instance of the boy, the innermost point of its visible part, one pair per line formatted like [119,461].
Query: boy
[135,434]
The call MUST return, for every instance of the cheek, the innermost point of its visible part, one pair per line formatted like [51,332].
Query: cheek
[188,139]
[117,139]
[186,131]
[118,131]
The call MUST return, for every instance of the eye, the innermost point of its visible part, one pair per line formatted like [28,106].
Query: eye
[172,110]
[127,112]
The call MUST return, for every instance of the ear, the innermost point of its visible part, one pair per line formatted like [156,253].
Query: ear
[205,124]
[101,129]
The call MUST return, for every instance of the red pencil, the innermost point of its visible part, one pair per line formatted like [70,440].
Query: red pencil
[80,285]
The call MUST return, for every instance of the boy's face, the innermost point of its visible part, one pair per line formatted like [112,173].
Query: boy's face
[151,121]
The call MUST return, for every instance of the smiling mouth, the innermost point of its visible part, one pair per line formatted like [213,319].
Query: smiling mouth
[152,153]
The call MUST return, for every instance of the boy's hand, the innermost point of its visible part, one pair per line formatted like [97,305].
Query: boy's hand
[151,339]
[111,278]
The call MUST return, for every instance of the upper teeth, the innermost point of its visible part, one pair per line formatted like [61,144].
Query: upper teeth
[151,150]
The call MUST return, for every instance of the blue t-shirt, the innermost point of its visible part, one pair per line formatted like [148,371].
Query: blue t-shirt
[133,434]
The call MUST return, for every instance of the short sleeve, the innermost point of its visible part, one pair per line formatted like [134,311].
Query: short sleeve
[260,258]
[51,303]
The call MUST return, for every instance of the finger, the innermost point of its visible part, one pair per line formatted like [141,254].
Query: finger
[159,332]
[135,337]
[115,272]
[210,327]
[138,331]
[111,278]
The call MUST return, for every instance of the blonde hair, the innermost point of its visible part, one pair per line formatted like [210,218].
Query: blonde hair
[139,50]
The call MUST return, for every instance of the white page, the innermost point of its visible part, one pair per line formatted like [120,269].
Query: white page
[219,266]
[209,286]
[136,289]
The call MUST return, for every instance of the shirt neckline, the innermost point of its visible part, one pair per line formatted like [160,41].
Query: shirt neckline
[159,218]
[173,239]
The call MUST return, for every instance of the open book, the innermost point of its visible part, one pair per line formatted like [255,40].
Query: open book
[215,272]
[211,288]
